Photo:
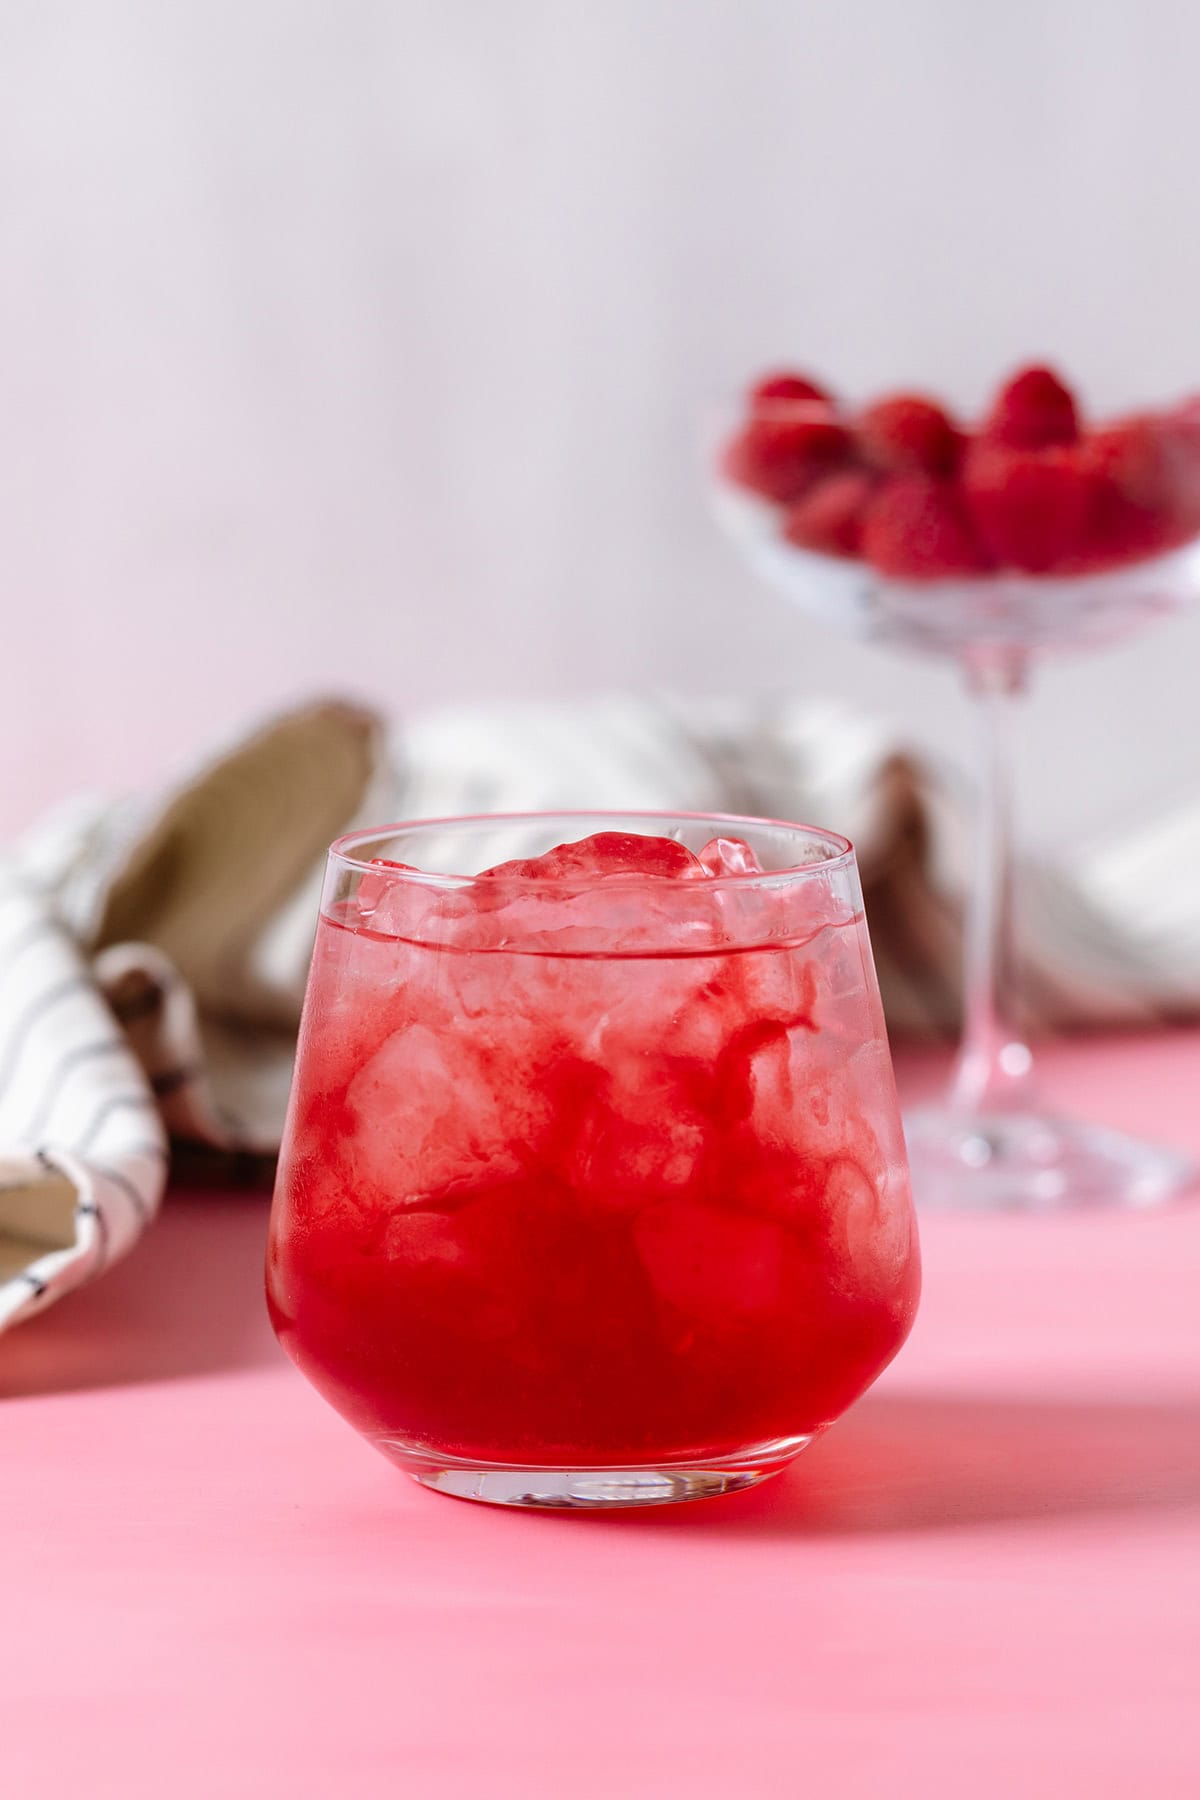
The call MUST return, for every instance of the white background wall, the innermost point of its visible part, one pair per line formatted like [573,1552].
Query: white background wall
[360,343]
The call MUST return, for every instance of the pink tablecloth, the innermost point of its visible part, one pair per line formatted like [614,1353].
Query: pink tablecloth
[986,1581]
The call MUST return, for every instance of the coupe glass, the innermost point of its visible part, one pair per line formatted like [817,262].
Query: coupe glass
[592,1192]
[991,1144]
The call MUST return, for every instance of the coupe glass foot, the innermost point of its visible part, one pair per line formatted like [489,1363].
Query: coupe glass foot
[1005,1162]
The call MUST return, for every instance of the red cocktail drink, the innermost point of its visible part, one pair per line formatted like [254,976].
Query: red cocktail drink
[594,1188]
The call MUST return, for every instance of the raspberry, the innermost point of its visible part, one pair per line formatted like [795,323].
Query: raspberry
[1031,508]
[909,435]
[1145,499]
[784,385]
[1180,440]
[1131,510]
[606,853]
[829,516]
[1118,533]
[916,528]
[1032,411]
[1132,456]
[783,450]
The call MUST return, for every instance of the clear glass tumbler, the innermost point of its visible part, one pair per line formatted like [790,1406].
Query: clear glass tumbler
[593,1190]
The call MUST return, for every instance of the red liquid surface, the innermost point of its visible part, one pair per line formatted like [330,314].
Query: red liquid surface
[572,1209]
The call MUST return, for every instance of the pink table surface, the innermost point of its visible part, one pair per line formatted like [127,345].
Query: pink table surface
[986,1581]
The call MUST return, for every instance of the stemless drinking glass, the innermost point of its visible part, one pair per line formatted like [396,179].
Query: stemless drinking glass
[593,1189]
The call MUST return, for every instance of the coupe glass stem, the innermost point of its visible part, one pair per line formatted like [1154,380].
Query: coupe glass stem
[993,1071]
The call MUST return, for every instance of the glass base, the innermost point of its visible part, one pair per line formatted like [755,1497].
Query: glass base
[1024,1162]
[592,1488]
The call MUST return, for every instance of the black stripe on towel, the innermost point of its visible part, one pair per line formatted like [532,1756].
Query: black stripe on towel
[87,1209]
[37,1009]
[34,931]
[115,1103]
[137,1199]
[159,1152]
[81,1053]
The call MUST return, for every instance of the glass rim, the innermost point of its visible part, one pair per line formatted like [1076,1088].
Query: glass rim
[840,851]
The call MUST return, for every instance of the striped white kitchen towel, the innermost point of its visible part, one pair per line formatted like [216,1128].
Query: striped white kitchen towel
[152,958]
[83,1151]
[153,953]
